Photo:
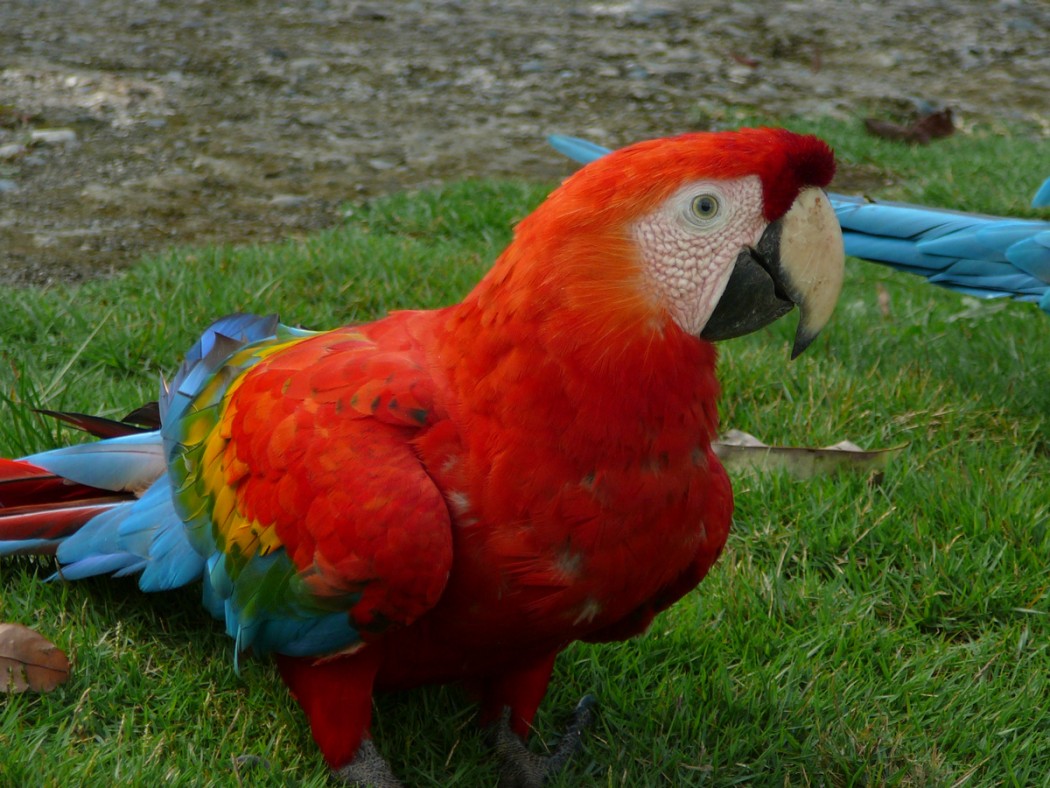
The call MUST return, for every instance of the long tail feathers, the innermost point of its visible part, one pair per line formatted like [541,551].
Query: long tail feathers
[142,419]
[38,509]
[106,507]
[102,508]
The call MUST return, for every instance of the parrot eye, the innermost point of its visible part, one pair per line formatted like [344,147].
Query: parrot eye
[704,207]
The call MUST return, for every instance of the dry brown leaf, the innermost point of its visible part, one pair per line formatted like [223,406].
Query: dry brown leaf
[28,661]
[741,452]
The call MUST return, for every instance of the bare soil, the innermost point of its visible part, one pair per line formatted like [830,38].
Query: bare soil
[189,121]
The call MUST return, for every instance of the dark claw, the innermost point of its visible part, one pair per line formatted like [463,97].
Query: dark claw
[367,770]
[521,768]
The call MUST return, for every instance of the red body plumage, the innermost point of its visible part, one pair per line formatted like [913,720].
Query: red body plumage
[580,503]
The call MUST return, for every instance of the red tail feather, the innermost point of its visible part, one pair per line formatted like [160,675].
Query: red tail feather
[22,484]
[37,504]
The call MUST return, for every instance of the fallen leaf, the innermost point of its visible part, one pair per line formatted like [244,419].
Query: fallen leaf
[28,661]
[741,452]
[929,127]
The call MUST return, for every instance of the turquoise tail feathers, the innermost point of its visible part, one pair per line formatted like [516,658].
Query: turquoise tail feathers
[144,537]
[109,508]
[123,524]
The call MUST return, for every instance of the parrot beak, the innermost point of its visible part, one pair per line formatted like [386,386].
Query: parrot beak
[798,261]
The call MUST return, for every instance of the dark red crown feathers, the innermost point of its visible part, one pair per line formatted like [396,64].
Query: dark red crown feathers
[633,179]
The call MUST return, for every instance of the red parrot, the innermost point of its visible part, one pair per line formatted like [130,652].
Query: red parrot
[459,494]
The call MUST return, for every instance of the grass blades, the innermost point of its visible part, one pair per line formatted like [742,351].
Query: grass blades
[856,631]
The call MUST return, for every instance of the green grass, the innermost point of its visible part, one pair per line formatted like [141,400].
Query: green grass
[857,631]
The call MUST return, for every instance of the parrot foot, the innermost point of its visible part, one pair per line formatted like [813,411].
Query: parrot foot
[367,769]
[521,768]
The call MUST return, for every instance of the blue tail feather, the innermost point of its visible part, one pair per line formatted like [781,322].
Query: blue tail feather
[144,535]
[124,464]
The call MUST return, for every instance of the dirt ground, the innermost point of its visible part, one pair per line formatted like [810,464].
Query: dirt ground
[127,126]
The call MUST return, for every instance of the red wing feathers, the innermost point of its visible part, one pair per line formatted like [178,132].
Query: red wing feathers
[319,448]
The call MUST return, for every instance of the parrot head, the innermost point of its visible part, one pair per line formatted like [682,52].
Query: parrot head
[719,233]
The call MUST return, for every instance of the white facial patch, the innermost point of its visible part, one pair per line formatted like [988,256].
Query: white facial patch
[690,242]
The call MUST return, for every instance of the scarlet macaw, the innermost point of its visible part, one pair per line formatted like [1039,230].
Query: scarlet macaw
[984,256]
[459,494]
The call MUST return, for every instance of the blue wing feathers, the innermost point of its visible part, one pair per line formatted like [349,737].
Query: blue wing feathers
[219,341]
[268,605]
[116,564]
[1032,255]
[979,255]
[268,609]
[898,250]
[1005,233]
